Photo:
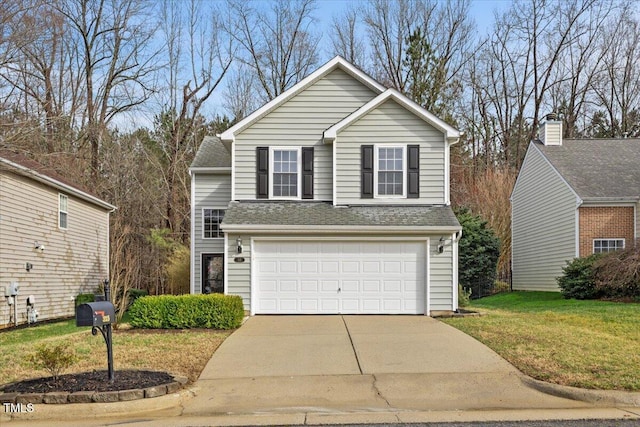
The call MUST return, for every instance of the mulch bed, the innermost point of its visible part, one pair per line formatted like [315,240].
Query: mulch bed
[91,381]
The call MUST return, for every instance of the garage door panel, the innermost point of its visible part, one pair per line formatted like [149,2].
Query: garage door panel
[339,277]
[310,286]
[288,285]
[309,266]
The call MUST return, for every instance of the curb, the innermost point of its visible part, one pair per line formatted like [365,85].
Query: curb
[62,398]
[597,397]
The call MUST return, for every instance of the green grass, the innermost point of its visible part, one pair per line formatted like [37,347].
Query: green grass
[178,352]
[589,344]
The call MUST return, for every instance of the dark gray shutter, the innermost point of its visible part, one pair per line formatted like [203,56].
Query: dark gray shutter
[307,172]
[413,171]
[262,173]
[366,175]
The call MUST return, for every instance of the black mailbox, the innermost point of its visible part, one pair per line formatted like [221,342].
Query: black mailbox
[95,314]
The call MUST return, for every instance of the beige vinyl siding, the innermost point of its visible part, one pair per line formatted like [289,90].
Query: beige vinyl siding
[301,121]
[390,123]
[544,224]
[210,191]
[239,273]
[441,275]
[75,260]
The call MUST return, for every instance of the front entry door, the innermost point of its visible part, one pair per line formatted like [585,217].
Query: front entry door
[212,273]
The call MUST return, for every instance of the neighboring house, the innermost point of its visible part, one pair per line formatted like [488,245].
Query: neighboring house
[54,241]
[331,198]
[572,198]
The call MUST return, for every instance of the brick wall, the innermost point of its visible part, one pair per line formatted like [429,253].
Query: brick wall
[605,223]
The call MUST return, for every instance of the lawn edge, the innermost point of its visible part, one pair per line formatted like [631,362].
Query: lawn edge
[603,398]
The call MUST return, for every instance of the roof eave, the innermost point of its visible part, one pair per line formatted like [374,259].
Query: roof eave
[337,229]
[452,134]
[59,185]
[230,134]
[205,169]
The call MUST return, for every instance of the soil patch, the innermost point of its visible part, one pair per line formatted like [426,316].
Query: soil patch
[91,381]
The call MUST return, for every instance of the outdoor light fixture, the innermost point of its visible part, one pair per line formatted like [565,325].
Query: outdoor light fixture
[38,246]
[441,245]
[239,244]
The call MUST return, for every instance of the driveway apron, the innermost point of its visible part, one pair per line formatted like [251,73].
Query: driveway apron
[356,363]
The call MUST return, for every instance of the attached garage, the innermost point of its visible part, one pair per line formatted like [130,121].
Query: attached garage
[338,276]
[315,258]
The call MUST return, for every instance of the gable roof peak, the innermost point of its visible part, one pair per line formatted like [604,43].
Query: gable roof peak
[452,134]
[337,62]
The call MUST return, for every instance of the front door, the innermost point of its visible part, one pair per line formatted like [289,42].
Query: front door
[212,273]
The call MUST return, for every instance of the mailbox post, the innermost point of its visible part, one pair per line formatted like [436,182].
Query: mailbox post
[99,315]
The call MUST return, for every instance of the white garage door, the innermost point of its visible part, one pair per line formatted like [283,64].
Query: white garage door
[328,277]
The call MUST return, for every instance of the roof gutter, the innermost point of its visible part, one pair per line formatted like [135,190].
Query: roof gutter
[59,185]
[337,229]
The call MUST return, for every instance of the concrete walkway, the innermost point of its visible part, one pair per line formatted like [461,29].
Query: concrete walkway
[283,364]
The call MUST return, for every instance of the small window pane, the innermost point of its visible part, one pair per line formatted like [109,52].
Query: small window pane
[607,245]
[211,223]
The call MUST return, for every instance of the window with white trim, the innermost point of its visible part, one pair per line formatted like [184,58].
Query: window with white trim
[390,171]
[63,211]
[211,220]
[607,245]
[285,173]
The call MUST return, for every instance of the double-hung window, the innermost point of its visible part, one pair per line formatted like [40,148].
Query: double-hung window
[391,169]
[285,172]
[211,220]
[607,245]
[63,211]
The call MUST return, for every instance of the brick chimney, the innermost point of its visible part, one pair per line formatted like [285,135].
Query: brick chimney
[550,130]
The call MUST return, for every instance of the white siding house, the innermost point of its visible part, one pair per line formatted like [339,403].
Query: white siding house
[338,202]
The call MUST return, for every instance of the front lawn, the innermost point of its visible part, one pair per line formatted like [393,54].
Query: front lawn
[179,352]
[588,344]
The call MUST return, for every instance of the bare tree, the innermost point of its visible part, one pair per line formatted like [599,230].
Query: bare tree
[194,43]
[346,37]
[277,43]
[617,85]
[239,95]
[113,42]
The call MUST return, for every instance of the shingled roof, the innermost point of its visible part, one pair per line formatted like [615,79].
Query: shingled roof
[316,215]
[23,165]
[211,154]
[598,169]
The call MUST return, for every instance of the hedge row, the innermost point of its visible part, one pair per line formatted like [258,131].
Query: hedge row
[213,311]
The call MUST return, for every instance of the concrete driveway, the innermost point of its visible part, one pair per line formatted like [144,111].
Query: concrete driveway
[358,363]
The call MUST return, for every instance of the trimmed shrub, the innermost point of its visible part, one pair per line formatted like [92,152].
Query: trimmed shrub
[214,311]
[478,253]
[84,298]
[577,280]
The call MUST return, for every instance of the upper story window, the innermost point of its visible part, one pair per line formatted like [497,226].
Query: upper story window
[63,211]
[390,173]
[285,173]
[211,220]
[607,245]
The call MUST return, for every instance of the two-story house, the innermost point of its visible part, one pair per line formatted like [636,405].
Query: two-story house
[54,241]
[331,198]
[572,198]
